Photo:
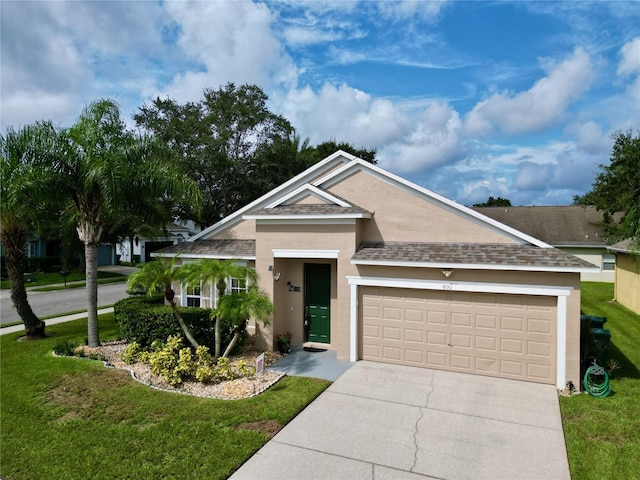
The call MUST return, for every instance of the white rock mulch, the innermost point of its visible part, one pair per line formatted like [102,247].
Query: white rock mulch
[228,390]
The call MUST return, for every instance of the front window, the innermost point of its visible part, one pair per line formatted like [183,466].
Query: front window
[193,295]
[238,285]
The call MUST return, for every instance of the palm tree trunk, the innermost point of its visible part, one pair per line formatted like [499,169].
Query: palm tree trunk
[91,259]
[183,325]
[15,259]
[234,340]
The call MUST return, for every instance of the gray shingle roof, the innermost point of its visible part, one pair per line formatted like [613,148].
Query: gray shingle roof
[311,209]
[513,255]
[221,248]
[555,225]
[625,246]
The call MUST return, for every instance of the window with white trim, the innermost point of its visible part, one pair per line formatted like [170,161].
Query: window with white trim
[196,296]
[608,261]
[237,285]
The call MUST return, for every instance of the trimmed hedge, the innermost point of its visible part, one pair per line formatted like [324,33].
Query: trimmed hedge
[146,319]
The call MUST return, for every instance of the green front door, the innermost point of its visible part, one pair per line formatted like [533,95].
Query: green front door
[317,298]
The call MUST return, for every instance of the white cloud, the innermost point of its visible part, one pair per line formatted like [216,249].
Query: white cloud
[432,138]
[630,58]
[411,9]
[540,106]
[232,42]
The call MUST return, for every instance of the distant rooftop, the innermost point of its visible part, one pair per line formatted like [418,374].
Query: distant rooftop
[556,225]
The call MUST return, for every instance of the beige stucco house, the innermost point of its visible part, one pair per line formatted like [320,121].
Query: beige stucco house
[363,262]
[627,285]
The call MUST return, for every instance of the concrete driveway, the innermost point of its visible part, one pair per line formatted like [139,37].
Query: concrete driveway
[392,422]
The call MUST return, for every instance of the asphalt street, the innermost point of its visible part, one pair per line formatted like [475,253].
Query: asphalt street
[60,301]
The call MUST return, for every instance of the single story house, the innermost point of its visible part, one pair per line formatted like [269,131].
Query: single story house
[143,246]
[627,286]
[361,261]
[575,229]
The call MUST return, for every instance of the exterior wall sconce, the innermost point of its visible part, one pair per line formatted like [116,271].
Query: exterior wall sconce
[271,268]
[447,272]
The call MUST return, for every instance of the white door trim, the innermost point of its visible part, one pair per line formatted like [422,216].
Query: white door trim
[560,292]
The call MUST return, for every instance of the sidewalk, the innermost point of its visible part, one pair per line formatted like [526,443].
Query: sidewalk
[53,321]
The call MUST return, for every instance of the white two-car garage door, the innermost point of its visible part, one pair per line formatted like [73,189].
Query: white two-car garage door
[510,336]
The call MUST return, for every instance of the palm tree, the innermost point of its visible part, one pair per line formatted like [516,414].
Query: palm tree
[239,307]
[160,275]
[20,149]
[216,272]
[96,164]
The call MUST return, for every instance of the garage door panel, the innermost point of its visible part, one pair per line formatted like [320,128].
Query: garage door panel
[511,336]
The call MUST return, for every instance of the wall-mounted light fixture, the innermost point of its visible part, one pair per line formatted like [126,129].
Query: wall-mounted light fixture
[447,272]
[271,268]
[276,277]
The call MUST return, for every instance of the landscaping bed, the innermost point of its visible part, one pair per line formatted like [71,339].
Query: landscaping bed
[228,390]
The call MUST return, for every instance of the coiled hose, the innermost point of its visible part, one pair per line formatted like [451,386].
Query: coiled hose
[596,381]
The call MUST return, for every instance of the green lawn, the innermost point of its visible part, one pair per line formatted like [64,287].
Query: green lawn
[603,435]
[68,418]
[40,279]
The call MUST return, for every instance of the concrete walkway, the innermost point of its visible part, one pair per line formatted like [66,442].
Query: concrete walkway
[316,364]
[393,422]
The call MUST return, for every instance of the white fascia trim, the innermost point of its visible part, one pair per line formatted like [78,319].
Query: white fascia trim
[477,266]
[479,287]
[336,216]
[560,292]
[341,173]
[293,253]
[202,255]
[293,183]
[312,190]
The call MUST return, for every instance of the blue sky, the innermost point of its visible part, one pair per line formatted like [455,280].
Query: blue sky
[466,98]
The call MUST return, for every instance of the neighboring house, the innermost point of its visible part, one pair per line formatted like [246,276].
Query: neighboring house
[363,262]
[575,229]
[143,247]
[627,287]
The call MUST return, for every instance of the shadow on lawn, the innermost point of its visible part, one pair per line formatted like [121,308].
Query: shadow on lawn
[627,368]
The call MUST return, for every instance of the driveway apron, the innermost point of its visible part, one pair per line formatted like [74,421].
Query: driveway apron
[394,422]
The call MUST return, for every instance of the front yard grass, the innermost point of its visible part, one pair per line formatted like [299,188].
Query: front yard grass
[603,435]
[71,418]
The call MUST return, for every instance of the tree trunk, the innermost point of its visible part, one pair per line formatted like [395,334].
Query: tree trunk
[234,340]
[183,325]
[91,272]
[14,242]
[89,231]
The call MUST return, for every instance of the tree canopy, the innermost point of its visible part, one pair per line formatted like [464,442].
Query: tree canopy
[233,146]
[495,202]
[617,188]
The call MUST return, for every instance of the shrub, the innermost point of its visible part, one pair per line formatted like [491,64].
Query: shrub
[65,348]
[146,319]
[176,363]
